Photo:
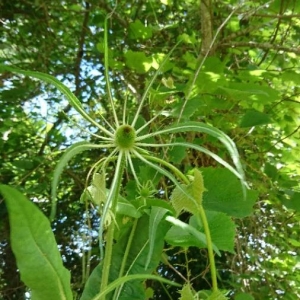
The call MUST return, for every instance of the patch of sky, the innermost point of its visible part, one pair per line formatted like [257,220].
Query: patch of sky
[46,106]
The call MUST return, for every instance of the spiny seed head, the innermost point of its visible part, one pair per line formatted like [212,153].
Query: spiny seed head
[125,137]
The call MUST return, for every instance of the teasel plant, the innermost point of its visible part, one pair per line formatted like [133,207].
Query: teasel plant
[126,141]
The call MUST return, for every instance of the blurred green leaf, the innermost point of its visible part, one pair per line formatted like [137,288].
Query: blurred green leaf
[138,31]
[293,202]
[255,118]
[138,61]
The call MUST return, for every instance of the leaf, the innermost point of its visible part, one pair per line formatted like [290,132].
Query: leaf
[217,295]
[135,264]
[198,186]
[212,295]
[69,154]
[96,192]
[138,31]
[250,92]
[126,278]
[156,216]
[293,202]
[186,293]
[224,194]
[168,82]
[220,135]
[138,61]
[124,207]
[192,106]
[177,153]
[222,230]
[254,118]
[35,249]
[243,296]
[181,201]
[186,235]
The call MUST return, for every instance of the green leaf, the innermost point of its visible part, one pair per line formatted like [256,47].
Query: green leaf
[254,118]
[186,235]
[293,202]
[212,295]
[34,246]
[126,278]
[198,186]
[136,261]
[186,293]
[222,230]
[138,61]
[250,92]
[224,194]
[126,208]
[156,216]
[177,153]
[220,135]
[217,295]
[96,192]
[138,31]
[192,106]
[182,199]
[243,296]
[69,154]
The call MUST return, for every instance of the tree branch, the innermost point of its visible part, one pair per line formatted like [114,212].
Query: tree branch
[78,61]
[206,26]
[264,46]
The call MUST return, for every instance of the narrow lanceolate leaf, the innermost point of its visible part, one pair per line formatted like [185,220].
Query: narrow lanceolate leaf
[69,154]
[220,135]
[74,102]
[35,249]
[156,216]
[127,278]
[135,263]
[185,235]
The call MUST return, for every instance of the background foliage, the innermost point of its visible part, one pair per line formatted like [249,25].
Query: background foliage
[248,87]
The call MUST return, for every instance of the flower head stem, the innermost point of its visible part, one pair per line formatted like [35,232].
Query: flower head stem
[111,204]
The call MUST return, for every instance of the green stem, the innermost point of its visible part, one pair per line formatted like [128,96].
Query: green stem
[113,198]
[210,250]
[202,215]
[128,246]
[175,171]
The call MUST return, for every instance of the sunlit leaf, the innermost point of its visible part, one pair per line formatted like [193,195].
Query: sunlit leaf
[138,61]
[138,31]
[224,194]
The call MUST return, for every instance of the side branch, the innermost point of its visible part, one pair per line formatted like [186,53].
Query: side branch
[264,46]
